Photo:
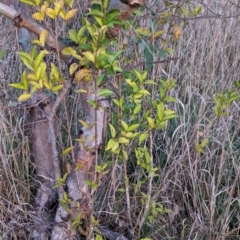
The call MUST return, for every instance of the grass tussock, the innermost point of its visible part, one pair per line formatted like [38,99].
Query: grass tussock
[200,188]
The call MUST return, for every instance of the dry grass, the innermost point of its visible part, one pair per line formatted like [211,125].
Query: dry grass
[201,189]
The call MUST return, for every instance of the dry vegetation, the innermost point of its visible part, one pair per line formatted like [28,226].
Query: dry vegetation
[201,189]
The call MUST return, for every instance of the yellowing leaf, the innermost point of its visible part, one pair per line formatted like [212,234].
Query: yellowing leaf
[113,131]
[29,2]
[83,123]
[38,16]
[39,59]
[81,90]
[43,37]
[24,97]
[123,140]
[69,3]
[105,92]
[124,125]
[157,34]
[89,56]
[37,2]
[58,6]
[25,80]
[67,150]
[51,13]
[56,88]
[70,14]
[143,31]
[32,76]
[150,122]
[133,127]
[177,32]
[73,67]
[69,51]
[82,73]
[18,86]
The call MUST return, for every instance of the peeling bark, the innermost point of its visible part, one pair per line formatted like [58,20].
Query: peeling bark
[46,197]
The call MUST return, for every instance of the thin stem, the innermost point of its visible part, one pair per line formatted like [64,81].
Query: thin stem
[149,192]
[126,181]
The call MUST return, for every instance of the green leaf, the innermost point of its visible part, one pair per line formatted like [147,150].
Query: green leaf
[25,80]
[25,55]
[28,2]
[133,127]
[169,112]
[144,91]
[196,11]
[41,71]
[143,137]
[81,32]
[56,88]
[105,92]
[24,97]
[112,14]
[67,150]
[98,237]
[92,103]
[124,125]
[101,79]
[18,86]
[149,56]
[96,12]
[39,59]
[111,144]
[1,54]
[89,56]
[73,35]
[116,102]
[115,56]
[54,74]
[112,130]
[160,111]
[150,122]
[27,63]
[170,117]
[69,51]
[137,109]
